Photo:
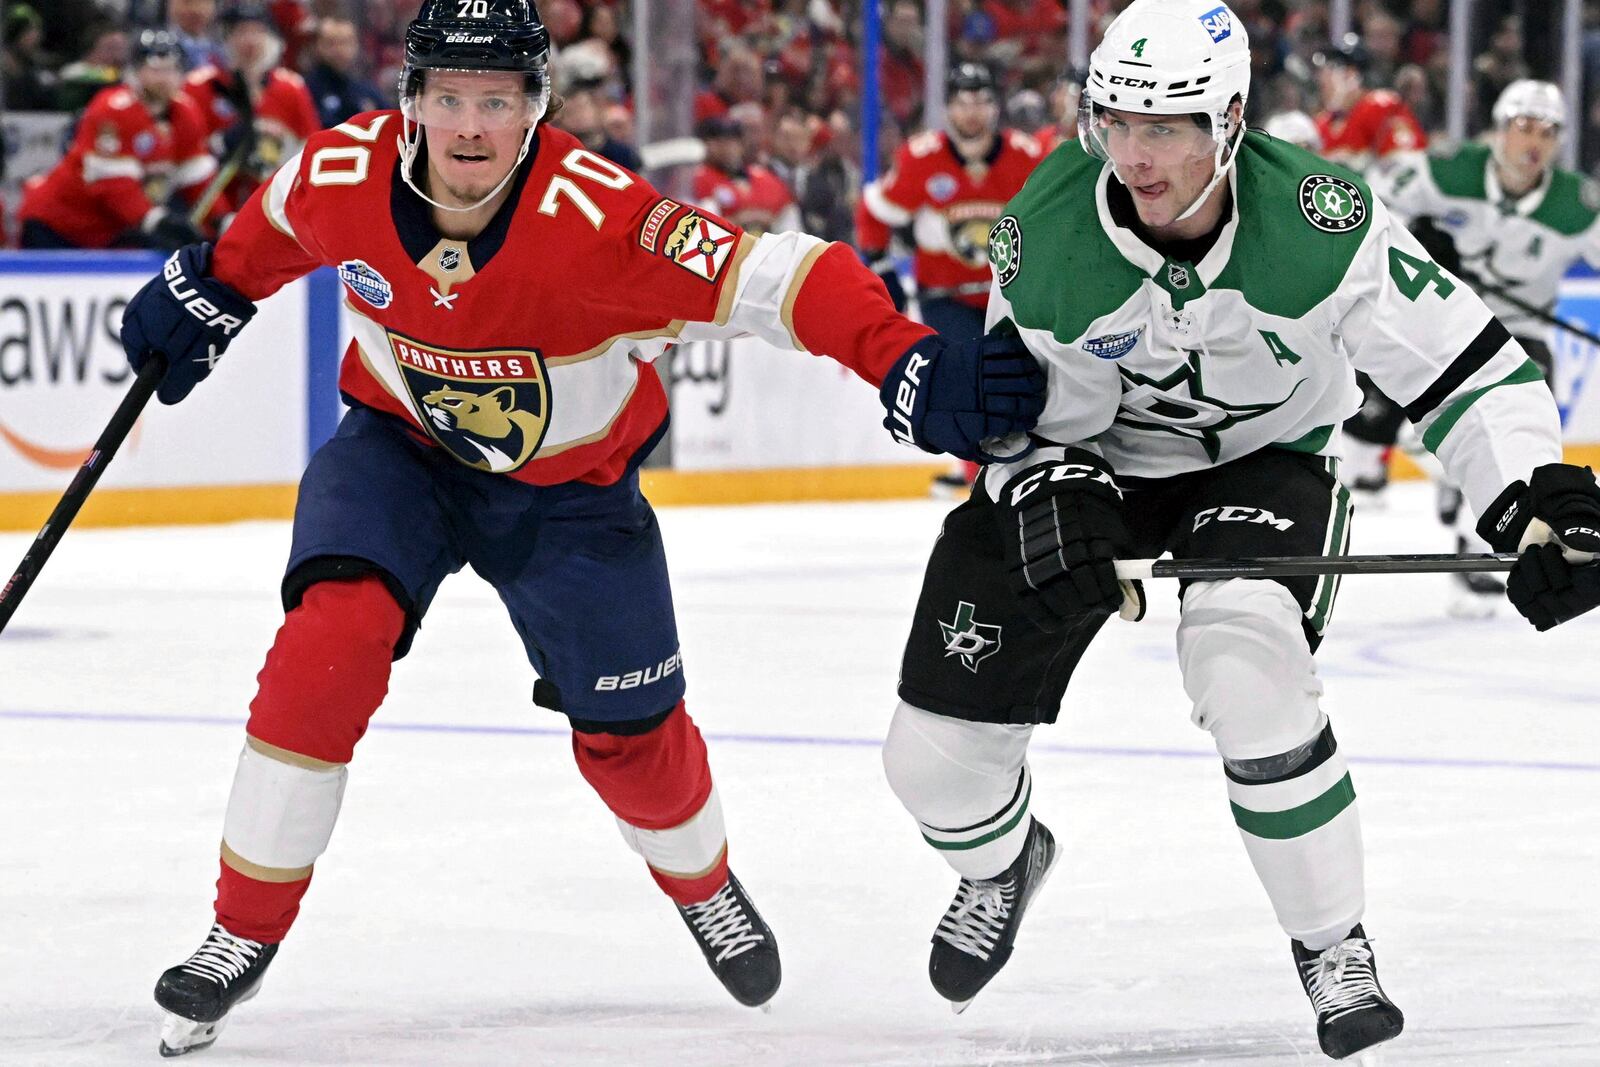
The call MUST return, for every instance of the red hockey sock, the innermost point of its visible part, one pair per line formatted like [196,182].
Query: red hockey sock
[658,785]
[327,672]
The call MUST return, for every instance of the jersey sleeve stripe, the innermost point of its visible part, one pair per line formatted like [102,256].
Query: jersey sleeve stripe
[883,209]
[276,201]
[99,168]
[803,271]
[730,278]
[1435,434]
[1484,347]
[193,170]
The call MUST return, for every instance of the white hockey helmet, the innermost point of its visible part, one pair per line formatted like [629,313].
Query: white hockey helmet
[1170,57]
[1295,127]
[1531,99]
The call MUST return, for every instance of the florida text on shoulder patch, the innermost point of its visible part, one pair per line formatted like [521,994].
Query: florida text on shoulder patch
[699,246]
[1331,204]
[1005,249]
[650,232]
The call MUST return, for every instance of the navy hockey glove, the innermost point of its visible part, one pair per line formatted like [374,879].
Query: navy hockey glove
[187,316]
[1064,524]
[880,263]
[952,396]
[1554,521]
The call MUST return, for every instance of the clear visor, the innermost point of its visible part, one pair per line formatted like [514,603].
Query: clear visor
[1129,138]
[475,101]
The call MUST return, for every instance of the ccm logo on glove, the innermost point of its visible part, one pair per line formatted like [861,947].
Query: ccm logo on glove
[1063,472]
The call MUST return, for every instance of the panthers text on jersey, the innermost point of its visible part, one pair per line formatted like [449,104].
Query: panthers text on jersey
[123,161]
[1166,367]
[1522,244]
[949,206]
[528,350]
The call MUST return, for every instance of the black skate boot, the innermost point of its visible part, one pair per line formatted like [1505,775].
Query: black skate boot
[737,943]
[199,992]
[975,936]
[1353,1013]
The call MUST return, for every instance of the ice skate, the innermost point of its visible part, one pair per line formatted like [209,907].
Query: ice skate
[737,944]
[1474,594]
[1353,1013]
[975,937]
[198,994]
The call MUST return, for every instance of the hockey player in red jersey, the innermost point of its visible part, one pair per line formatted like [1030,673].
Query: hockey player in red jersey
[949,186]
[738,188]
[136,145]
[509,291]
[1361,127]
[279,107]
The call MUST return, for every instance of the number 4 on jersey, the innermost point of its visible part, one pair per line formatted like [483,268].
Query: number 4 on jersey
[1412,276]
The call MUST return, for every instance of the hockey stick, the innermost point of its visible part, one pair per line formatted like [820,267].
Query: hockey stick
[1290,566]
[1480,283]
[246,119]
[83,483]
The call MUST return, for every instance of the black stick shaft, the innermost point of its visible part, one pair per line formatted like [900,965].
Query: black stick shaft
[1289,566]
[83,483]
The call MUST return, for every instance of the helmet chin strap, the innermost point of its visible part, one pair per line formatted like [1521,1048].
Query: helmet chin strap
[1218,171]
[411,139]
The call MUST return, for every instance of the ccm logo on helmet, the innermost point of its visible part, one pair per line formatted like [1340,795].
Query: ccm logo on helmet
[1132,83]
[193,302]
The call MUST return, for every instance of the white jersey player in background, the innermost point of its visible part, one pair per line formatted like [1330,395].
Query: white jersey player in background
[1202,297]
[1506,219]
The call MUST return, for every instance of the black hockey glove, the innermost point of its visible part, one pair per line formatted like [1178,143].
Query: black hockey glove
[167,230]
[952,396]
[186,315]
[1064,523]
[1554,521]
[882,265]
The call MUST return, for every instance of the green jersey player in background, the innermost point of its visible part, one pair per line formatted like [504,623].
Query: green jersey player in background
[1201,298]
[1504,218]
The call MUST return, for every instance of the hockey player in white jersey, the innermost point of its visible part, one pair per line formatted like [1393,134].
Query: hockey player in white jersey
[1201,297]
[1508,221]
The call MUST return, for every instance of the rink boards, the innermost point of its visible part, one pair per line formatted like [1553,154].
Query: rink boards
[750,422]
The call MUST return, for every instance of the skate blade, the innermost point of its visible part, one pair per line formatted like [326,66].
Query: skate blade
[1372,1057]
[180,1036]
[1473,606]
[959,1006]
[765,1007]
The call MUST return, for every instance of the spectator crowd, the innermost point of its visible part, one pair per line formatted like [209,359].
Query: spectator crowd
[777,104]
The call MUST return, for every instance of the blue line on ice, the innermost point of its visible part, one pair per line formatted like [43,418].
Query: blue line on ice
[837,742]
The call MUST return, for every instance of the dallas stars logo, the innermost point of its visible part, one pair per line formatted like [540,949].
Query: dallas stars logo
[1331,204]
[1005,250]
[1157,404]
[974,642]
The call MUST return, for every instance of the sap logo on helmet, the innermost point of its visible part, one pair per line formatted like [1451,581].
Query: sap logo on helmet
[366,282]
[1112,345]
[1218,22]
[1132,83]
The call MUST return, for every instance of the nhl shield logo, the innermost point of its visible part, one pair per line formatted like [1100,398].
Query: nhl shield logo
[450,259]
[366,282]
[973,641]
[490,410]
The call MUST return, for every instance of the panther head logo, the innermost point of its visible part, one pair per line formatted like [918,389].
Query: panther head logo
[487,425]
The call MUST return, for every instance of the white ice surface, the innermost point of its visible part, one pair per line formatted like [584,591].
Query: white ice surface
[477,905]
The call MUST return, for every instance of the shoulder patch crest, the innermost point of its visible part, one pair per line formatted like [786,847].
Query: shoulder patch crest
[1332,204]
[1005,249]
[700,246]
[650,232]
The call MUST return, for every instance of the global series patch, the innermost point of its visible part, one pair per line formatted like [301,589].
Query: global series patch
[1112,345]
[366,282]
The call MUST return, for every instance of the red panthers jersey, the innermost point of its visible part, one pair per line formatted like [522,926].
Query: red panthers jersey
[1378,124]
[285,115]
[528,350]
[950,206]
[123,160]
[757,200]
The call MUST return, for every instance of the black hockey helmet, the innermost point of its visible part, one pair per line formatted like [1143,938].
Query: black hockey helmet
[974,77]
[157,44]
[501,35]
[246,11]
[1348,51]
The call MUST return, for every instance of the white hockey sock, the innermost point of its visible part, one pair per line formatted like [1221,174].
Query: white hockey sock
[1303,835]
[281,812]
